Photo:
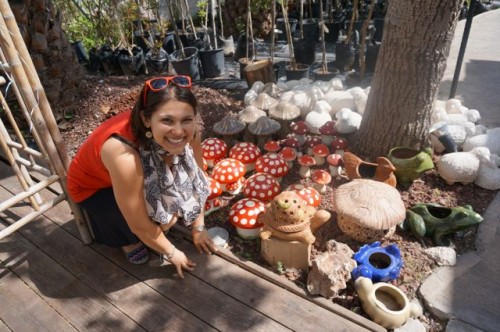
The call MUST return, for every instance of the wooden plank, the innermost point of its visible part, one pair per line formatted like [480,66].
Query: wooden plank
[364,324]
[23,310]
[78,303]
[139,302]
[291,310]
[196,295]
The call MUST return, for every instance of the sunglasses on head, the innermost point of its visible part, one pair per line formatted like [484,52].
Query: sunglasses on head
[161,83]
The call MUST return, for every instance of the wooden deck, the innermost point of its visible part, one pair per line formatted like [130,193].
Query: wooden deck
[51,281]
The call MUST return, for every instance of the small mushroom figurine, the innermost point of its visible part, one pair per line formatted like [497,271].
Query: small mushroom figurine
[261,186]
[305,162]
[339,145]
[247,153]
[272,164]
[335,162]
[320,152]
[243,215]
[300,130]
[310,143]
[262,129]
[327,132]
[213,202]
[214,149]
[229,173]
[229,128]
[272,146]
[321,180]
[289,155]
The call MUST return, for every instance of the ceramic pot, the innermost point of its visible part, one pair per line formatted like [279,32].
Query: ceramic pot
[378,263]
[409,163]
[304,51]
[187,66]
[386,304]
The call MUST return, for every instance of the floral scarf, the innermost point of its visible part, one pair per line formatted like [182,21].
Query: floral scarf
[181,188]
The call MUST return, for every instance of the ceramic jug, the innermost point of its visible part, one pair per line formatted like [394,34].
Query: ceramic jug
[386,304]
[409,163]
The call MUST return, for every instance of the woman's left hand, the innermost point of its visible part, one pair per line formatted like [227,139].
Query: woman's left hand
[203,242]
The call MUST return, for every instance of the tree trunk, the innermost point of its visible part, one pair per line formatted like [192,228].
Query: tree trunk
[410,66]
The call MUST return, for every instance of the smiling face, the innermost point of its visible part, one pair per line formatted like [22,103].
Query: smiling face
[173,125]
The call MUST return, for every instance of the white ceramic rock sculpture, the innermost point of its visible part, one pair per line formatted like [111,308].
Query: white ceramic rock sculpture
[491,140]
[291,84]
[480,130]
[250,96]
[282,85]
[319,115]
[443,256]
[453,106]
[257,86]
[339,100]
[316,93]
[287,96]
[488,176]
[322,85]
[303,101]
[336,84]
[461,167]
[360,98]
[457,132]
[472,115]
[331,270]
[347,121]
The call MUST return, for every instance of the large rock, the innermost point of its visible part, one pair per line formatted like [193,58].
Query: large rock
[331,270]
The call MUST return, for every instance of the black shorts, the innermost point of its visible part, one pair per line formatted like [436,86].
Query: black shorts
[107,221]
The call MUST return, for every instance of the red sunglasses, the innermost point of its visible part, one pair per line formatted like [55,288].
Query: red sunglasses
[160,83]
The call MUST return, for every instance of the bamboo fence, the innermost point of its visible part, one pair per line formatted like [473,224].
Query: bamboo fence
[36,169]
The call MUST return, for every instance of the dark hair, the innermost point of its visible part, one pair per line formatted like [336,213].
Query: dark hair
[154,100]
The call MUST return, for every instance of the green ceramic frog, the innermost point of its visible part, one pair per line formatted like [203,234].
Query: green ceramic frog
[436,221]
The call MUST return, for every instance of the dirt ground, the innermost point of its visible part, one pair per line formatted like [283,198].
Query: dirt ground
[105,96]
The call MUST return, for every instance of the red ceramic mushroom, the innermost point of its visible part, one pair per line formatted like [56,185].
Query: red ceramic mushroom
[229,173]
[272,164]
[335,162]
[213,149]
[272,146]
[243,215]
[310,143]
[321,179]
[320,152]
[289,154]
[247,153]
[305,162]
[308,194]
[261,186]
[327,132]
[300,129]
[339,145]
[213,203]
[293,142]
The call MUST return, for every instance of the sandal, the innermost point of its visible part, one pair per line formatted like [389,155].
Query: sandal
[139,255]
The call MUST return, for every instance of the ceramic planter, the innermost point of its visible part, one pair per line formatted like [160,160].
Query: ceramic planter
[378,263]
[187,66]
[409,163]
[386,304]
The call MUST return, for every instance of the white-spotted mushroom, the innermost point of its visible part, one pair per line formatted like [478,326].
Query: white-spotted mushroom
[243,215]
[247,153]
[229,173]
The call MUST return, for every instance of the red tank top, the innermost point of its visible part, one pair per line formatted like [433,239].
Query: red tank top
[87,174]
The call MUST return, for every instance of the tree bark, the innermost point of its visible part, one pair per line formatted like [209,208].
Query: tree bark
[410,66]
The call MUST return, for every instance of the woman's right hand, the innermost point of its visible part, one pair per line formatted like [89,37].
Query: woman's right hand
[181,262]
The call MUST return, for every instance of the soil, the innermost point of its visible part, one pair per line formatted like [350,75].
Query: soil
[105,96]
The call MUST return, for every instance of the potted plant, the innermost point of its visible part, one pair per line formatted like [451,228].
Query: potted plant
[185,59]
[294,70]
[323,73]
[212,59]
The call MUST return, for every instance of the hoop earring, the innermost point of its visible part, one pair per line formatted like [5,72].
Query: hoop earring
[149,134]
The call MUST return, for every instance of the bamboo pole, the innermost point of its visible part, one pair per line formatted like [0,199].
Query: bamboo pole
[324,66]
[34,80]
[28,193]
[212,5]
[45,126]
[362,62]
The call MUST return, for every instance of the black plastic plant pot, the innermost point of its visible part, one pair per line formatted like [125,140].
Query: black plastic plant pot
[143,40]
[81,53]
[94,64]
[305,51]
[169,43]
[157,62]
[301,71]
[280,25]
[212,62]
[311,29]
[132,64]
[187,66]
[109,61]
[345,55]
[320,75]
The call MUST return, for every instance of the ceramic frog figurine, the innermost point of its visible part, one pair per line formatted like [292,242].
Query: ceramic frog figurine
[436,221]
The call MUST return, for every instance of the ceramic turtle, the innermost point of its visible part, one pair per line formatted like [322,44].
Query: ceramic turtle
[288,217]
[436,221]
